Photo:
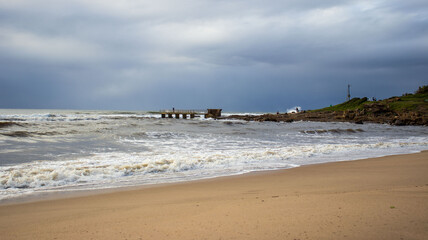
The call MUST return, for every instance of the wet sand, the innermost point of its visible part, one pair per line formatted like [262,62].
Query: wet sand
[381,198]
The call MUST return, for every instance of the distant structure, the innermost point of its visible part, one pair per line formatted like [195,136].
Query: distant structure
[177,113]
[213,113]
[349,93]
[209,113]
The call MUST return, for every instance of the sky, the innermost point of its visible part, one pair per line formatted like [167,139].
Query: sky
[238,55]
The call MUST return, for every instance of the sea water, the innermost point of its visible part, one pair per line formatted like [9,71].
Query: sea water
[61,150]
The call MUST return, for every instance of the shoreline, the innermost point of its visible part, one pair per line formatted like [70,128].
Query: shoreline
[405,119]
[65,194]
[375,198]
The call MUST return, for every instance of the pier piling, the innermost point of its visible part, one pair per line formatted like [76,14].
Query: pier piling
[209,113]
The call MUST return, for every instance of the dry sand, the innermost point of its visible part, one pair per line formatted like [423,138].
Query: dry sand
[382,198]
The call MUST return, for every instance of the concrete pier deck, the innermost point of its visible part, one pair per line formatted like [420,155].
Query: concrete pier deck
[175,113]
[184,113]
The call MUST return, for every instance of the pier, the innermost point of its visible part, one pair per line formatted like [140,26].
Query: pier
[175,113]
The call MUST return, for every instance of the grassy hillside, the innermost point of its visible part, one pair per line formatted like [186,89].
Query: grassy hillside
[408,102]
[411,102]
[353,104]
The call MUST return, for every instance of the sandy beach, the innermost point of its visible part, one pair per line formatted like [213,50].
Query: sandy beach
[381,198]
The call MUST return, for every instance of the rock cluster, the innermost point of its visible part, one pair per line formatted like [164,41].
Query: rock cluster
[373,112]
[409,109]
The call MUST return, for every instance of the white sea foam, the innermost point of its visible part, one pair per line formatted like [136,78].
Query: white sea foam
[141,168]
[293,109]
[70,150]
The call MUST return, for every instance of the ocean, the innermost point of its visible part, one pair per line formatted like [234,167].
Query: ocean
[44,151]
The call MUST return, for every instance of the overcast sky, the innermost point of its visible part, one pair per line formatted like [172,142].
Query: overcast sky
[239,55]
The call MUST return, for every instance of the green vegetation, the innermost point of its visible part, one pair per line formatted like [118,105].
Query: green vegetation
[422,90]
[353,104]
[408,102]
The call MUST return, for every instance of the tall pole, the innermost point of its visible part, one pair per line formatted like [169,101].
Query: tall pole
[349,93]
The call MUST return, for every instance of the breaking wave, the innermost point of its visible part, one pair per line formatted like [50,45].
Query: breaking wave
[63,150]
[334,131]
[9,124]
[294,109]
[146,168]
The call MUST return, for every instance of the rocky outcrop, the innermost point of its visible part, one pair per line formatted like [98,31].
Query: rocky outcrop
[409,109]
[373,113]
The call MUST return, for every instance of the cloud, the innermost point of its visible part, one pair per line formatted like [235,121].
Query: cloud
[29,45]
[242,55]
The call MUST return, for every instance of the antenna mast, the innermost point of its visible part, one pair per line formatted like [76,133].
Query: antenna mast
[349,93]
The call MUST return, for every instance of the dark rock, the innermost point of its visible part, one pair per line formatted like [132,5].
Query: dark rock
[398,122]
[8,124]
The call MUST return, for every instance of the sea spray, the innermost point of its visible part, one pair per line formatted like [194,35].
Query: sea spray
[294,109]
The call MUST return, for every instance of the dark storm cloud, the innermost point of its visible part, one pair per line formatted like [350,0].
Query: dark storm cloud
[238,55]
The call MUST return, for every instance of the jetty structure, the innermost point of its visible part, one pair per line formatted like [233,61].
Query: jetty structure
[175,113]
